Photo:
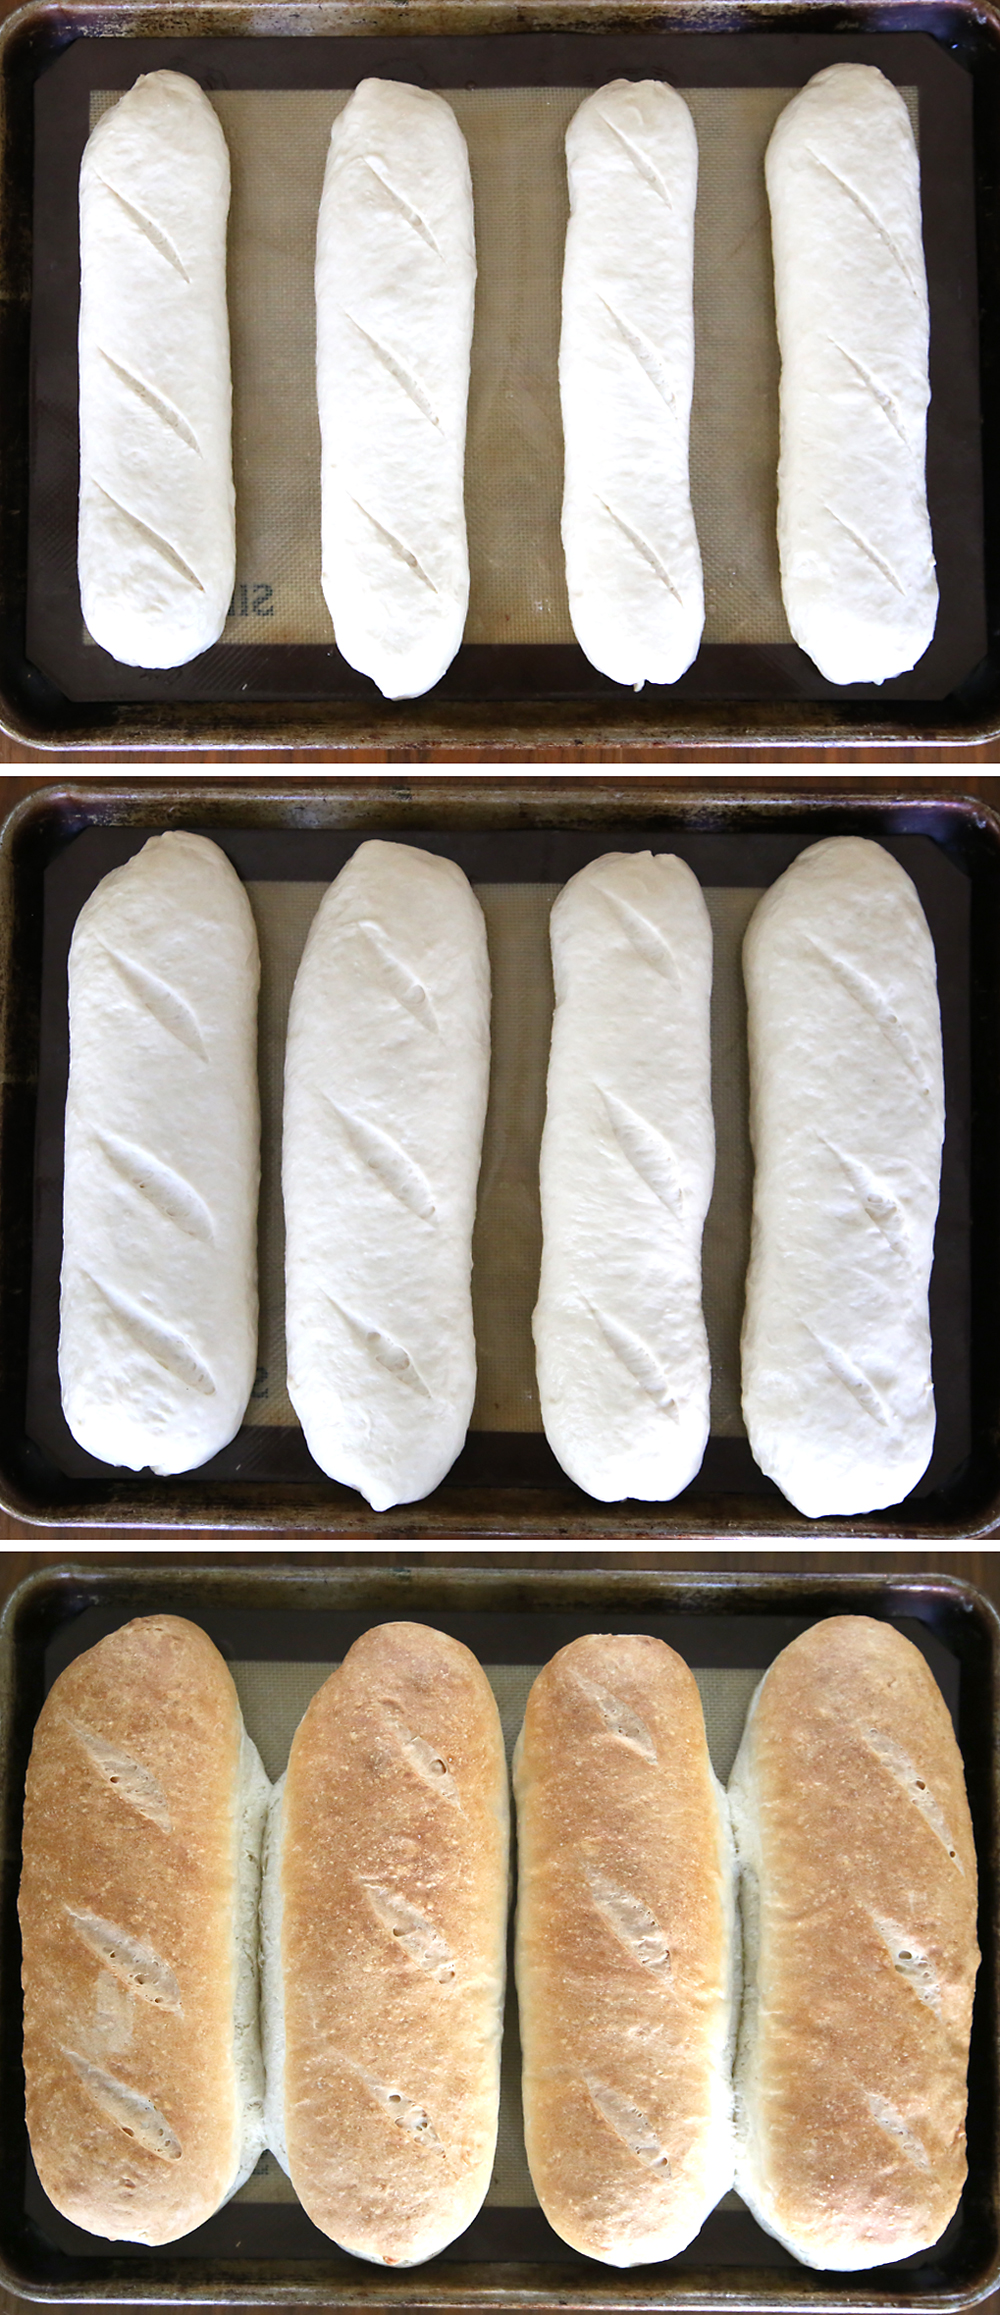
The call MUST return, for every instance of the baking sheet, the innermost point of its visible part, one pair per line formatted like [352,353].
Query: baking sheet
[278,1658]
[516,875]
[513,95]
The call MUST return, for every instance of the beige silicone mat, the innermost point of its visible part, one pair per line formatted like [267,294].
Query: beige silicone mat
[278,140]
[273,1697]
[507,1244]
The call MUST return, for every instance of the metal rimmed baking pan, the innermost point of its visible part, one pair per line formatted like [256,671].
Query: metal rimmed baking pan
[290,1622]
[517,841]
[516,677]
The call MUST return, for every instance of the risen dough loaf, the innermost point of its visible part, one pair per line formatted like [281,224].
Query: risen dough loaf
[858,1897]
[386,1076]
[624,1952]
[384,1946]
[857,560]
[626,368]
[158,1311]
[628,1155]
[847,1120]
[157,524]
[395,285]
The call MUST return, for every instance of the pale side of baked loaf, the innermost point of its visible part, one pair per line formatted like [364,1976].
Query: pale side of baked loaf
[385,1918]
[847,1121]
[626,372]
[157,542]
[625,1951]
[143,1828]
[158,1305]
[395,286]
[857,558]
[627,1163]
[386,1078]
[858,1897]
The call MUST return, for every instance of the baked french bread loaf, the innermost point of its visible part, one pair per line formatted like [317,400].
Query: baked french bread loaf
[858,1898]
[847,1121]
[384,1942]
[854,535]
[627,1163]
[143,1824]
[158,1303]
[624,1951]
[395,285]
[626,373]
[157,541]
[386,1078]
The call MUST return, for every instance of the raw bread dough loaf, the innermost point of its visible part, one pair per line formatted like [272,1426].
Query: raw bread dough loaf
[158,1311]
[624,1951]
[395,285]
[626,368]
[144,1815]
[858,1898]
[157,547]
[628,1156]
[386,1077]
[847,1121]
[384,1946]
[857,559]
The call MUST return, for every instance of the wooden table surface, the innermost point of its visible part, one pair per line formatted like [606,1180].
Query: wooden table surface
[978,1567]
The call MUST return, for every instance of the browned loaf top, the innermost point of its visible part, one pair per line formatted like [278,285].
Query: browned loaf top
[127,1922]
[860,1925]
[394,1865]
[624,1950]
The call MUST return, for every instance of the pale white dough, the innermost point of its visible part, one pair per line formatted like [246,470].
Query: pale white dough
[627,1163]
[158,1309]
[857,558]
[157,522]
[386,1078]
[626,370]
[395,285]
[847,1122]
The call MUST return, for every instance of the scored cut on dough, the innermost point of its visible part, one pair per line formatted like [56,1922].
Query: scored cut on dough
[157,538]
[854,535]
[847,1122]
[158,1303]
[626,373]
[386,1078]
[395,288]
[627,1164]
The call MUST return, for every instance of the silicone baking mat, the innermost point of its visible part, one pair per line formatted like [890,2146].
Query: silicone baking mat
[516,875]
[514,95]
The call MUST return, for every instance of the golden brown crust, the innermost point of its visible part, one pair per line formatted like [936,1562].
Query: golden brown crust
[394,1894]
[623,1950]
[126,1908]
[854,1831]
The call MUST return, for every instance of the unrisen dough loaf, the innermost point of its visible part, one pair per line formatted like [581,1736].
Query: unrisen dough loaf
[858,1898]
[847,1120]
[624,1950]
[158,1311]
[626,368]
[628,1156]
[395,285]
[857,559]
[157,523]
[386,1077]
